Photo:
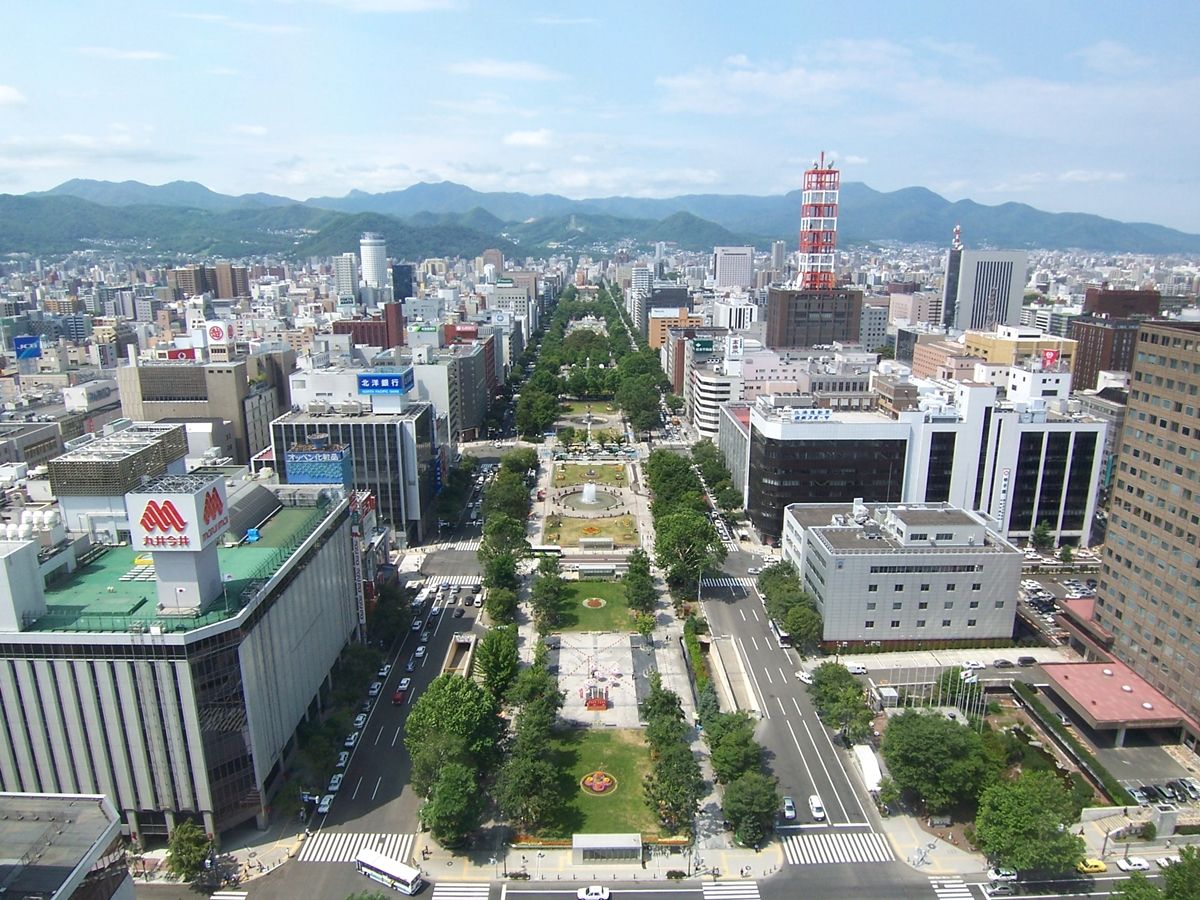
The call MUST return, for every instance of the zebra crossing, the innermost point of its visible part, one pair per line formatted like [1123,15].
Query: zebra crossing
[730,890]
[341,846]
[461,890]
[951,888]
[834,847]
[464,544]
[464,580]
[726,581]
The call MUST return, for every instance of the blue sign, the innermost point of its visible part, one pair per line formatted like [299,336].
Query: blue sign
[27,346]
[386,382]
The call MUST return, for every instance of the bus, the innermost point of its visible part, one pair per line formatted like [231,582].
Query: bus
[782,637]
[387,871]
[545,550]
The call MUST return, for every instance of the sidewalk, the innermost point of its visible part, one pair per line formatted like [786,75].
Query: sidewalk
[928,854]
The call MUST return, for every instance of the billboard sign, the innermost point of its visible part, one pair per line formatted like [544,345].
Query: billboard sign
[218,333]
[702,345]
[1049,358]
[27,346]
[179,522]
[181,353]
[387,382]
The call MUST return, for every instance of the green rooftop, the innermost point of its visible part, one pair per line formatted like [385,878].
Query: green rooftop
[115,589]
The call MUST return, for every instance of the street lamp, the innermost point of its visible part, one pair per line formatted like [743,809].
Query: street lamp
[540,854]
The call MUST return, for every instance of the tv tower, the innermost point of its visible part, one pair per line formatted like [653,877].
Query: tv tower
[818,226]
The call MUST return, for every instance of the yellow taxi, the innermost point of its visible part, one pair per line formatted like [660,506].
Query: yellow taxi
[1091,866]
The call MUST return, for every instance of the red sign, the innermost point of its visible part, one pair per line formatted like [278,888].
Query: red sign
[162,517]
[181,353]
[213,505]
[1049,358]
[217,333]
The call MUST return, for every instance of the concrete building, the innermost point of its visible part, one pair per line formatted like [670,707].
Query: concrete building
[988,288]
[1011,345]
[660,319]
[372,249]
[872,329]
[152,672]
[1102,345]
[734,314]
[384,330]
[1149,581]
[1108,405]
[345,276]
[733,267]
[1121,303]
[733,440]
[898,576]
[810,318]
[663,295]
[914,308]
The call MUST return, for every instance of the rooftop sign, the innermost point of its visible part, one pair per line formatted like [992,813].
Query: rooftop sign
[178,521]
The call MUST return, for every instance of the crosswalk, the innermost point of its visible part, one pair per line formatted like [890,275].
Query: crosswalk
[341,846]
[464,580]
[464,544]
[726,581]
[730,890]
[229,895]
[836,847]
[951,889]
[461,890]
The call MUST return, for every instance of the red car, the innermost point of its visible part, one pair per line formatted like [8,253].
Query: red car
[401,691]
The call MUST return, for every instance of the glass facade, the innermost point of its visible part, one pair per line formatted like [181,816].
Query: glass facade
[941,467]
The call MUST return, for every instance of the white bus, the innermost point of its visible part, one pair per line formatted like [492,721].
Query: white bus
[388,871]
[782,637]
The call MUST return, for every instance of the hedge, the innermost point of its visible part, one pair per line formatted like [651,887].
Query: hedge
[695,654]
[1086,760]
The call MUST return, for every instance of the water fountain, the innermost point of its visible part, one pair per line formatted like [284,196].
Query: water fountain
[589,493]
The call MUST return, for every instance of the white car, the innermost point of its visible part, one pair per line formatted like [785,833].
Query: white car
[973,664]
[419,653]
[1165,862]
[753,570]
[335,784]
[593,892]
[351,739]
[323,806]
[815,807]
[805,677]
[375,688]
[342,759]
[360,720]
[1133,864]
[1000,873]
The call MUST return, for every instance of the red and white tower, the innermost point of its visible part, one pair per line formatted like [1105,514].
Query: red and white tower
[818,226]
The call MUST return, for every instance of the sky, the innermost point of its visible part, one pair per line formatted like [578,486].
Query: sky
[1067,106]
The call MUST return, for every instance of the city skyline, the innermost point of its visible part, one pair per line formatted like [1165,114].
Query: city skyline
[307,98]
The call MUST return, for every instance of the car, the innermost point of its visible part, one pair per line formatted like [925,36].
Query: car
[478,602]
[593,892]
[384,670]
[974,664]
[476,588]
[351,739]
[456,589]
[1133,864]
[753,570]
[815,807]
[323,806]
[366,705]
[1090,866]
[804,676]
[335,783]
[420,652]
[1002,664]
[1026,661]
[435,612]
[1001,873]
[999,889]
[1063,720]
[360,720]
[411,665]
[458,613]
[343,759]
[375,688]
[424,637]
[789,809]
[1165,862]
[417,625]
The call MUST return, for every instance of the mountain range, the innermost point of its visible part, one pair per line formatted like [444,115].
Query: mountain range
[451,219]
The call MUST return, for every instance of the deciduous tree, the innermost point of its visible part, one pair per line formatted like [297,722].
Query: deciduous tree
[455,705]
[187,848]
[686,545]
[750,804]
[1024,823]
[452,811]
[498,660]
[939,760]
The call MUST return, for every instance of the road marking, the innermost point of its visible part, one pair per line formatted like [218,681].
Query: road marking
[357,785]
[828,848]
[951,889]
[469,890]
[730,890]
[797,705]
[229,895]
[378,781]
[845,774]
[820,758]
[767,672]
[754,641]
[396,736]
[378,737]
[783,675]
[782,708]
[755,611]
[796,741]
[340,846]
[743,612]
[745,659]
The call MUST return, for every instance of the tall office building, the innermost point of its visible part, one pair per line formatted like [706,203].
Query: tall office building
[403,281]
[345,275]
[779,256]
[988,288]
[950,283]
[1149,581]
[372,249]
[733,266]
[806,317]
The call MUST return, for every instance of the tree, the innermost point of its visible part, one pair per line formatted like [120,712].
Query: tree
[728,497]
[427,760]
[501,606]
[500,572]
[849,714]
[548,598]
[686,546]
[885,351]
[527,789]
[939,760]
[1066,554]
[1042,538]
[735,754]
[674,788]
[643,624]
[1183,878]
[1138,887]
[751,802]
[187,848]
[661,702]
[805,626]
[1024,823]
[455,705]
[452,810]
[497,659]
[639,591]
[664,732]
[503,536]
[566,435]
[674,402]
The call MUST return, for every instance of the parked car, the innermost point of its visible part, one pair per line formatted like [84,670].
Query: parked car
[351,739]
[417,625]
[458,613]
[1090,866]
[384,670]
[999,889]
[1133,864]
[325,804]
[375,688]
[1165,862]
[343,758]
[593,892]
[335,784]
[360,720]
[789,809]
[1002,664]
[478,602]
[1026,661]
[804,676]
[974,664]
[1000,873]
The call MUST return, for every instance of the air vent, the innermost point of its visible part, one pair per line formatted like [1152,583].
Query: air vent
[1127,689]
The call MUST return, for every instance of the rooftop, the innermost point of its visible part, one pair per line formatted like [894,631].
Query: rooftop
[46,837]
[1111,694]
[113,590]
[946,515]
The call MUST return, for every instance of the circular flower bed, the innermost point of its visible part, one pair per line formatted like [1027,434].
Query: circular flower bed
[591,530]
[594,602]
[598,783]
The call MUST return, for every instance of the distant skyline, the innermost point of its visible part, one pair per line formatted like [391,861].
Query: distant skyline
[1069,107]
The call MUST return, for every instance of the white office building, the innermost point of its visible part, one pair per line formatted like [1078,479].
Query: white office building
[733,267]
[372,248]
[990,288]
[903,574]
[345,275]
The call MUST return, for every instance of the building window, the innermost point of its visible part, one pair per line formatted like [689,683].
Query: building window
[898,588]
[870,623]
[945,536]
[920,623]
[948,604]
[950,586]
[924,589]
[872,588]
[924,604]
[974,604]
[897,605]
[871,604]
[895,623]
[945,623]
[970,623]
[999,604]
[976,586]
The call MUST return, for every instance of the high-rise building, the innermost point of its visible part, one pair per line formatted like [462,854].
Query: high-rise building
[807,317]
[990,287]
[950,284]
[372,249]
[872,331]
[733,266]
[1102,345]
[403,281]
[1108,302]
[1149,581]
[345,275]
[778,256]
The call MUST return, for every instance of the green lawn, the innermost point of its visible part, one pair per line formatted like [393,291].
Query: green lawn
[567,530]
[567,474]
[612,616]
[578,407]
[621,753]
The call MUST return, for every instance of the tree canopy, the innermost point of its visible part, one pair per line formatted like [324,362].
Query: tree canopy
[939,760]
[1024,823]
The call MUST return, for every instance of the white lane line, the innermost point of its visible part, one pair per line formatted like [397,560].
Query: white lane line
[743,612]
[396,736]
[782,708]
[770,680]
[782,675]
[378,781]
[845,774]
[755,612]
[797,705]
[821,760]
[357,785]
[378,737]
[754,641]
[796,741]
[761,696]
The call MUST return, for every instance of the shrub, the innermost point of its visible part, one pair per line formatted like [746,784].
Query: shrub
[676,874]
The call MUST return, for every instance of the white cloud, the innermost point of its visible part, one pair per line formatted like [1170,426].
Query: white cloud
[740,60]
[512,70]
[117,53]
[10,96]
[1111,58]
[1090,176]
[280,28]
[249,130]
[539,138]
